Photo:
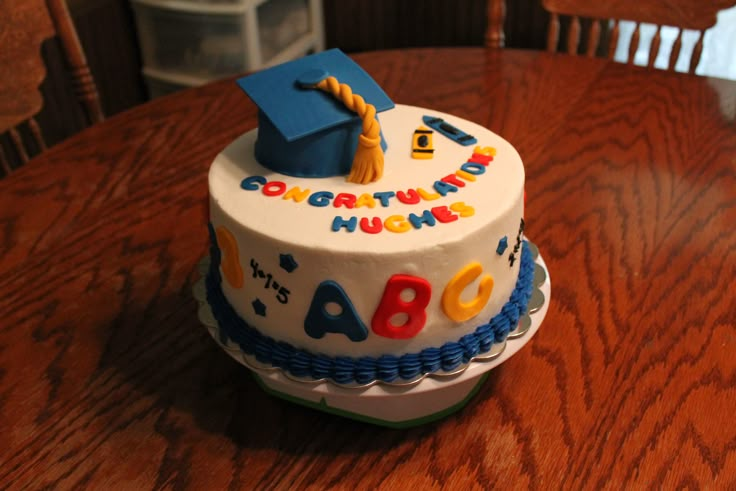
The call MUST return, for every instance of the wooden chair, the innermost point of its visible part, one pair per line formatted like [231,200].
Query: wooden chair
[24,25]
[697,15]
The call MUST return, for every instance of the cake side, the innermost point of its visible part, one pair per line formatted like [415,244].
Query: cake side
[416,260]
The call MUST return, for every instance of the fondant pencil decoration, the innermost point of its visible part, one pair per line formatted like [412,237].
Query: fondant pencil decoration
[421,147]
[449,131]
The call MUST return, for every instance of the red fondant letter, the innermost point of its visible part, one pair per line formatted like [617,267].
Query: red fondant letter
[392,304]
[346,199]
[410,197]
[452,179]
[480,159]
[372,227]
[274,188]
[443,215]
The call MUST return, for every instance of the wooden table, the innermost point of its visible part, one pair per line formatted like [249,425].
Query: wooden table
[108,380]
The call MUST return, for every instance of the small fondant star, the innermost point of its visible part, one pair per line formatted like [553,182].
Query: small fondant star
[259,307]
[287,262]
[502,245]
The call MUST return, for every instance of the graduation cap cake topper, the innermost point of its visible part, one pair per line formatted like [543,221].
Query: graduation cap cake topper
[317,118]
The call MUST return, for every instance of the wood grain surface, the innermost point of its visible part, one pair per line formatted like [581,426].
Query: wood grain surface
[108,380]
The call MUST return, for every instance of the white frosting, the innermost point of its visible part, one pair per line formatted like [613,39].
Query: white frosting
[265,227]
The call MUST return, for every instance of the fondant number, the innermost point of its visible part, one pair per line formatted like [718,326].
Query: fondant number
[230,263]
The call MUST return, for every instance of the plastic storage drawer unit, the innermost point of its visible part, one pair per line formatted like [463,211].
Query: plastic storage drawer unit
[209,40]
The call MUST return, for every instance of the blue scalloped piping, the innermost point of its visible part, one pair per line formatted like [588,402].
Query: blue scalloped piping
[387,368]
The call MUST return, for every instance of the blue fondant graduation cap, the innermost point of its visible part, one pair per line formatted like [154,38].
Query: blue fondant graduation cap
[306,131]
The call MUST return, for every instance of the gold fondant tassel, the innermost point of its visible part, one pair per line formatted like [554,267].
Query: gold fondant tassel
[367,164]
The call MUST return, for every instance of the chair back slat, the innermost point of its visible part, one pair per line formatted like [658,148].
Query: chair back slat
[37,134]
[697,51]
[573,36]
[613,40]
[4,164]
[654,47]
[594,37]
[553,32]
[675,53]
[18,144]
[84,84]
[86,92]
[634,44]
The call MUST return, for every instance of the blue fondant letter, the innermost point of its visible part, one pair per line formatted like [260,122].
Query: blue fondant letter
[321,198]
[473,168]
[383,197]
[251,183]
[349,224]
[443,188]
[319,321]
[425,217]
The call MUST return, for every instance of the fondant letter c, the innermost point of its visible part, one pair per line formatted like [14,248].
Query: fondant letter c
[456,309]
[251,183]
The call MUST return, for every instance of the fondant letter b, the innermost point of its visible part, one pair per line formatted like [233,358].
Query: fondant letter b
[392,304]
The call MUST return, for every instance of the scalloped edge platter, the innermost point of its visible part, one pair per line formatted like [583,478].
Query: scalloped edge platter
[400,404]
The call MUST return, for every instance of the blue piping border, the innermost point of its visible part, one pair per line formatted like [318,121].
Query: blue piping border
[387,368]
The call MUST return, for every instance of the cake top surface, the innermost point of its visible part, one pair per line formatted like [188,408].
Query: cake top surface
[418,204]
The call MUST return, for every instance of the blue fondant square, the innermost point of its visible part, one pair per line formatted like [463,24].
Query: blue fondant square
[305,131]
[297,112]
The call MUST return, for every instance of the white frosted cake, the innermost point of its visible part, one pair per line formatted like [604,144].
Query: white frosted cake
[415,272]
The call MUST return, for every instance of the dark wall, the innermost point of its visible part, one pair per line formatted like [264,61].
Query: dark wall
[362,25]
[106,31]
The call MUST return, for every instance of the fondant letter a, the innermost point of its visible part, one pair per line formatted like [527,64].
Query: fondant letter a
[319,321]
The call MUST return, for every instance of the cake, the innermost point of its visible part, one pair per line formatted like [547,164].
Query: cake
[417,270]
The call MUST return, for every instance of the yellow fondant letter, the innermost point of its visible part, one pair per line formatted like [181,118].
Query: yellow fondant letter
[456,309]
[462,209]
[465,175]
[230,263]
[485,151]
[297,194]
[427,196]
[396,224]
[365,199]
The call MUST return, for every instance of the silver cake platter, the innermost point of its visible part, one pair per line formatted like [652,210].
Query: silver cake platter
[433,395]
